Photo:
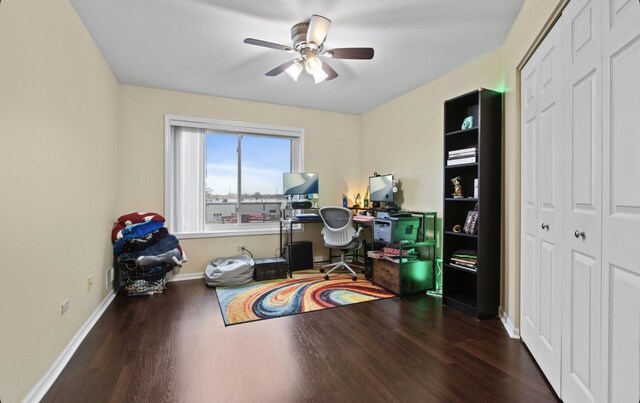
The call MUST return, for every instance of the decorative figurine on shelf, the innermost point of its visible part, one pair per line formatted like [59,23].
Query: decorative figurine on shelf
[467,123]
[356,198]
[457,188]
[457,228]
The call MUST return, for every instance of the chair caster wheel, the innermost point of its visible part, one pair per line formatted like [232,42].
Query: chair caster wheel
[326,277]
[354,278]
[322,270]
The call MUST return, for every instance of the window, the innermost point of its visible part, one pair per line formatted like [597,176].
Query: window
[225,178]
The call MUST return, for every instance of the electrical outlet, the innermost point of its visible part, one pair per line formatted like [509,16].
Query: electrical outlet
[90,282]
[64,307]
[109,278]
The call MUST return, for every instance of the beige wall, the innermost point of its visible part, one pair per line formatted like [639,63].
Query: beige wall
[406,136]
[331,148]
[58,167]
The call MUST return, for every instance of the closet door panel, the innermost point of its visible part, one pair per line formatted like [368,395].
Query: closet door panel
[621,201]
[582,230]
[549,214]
[583,139]
[529,206]
[548,156]
[529,273]
[541,189]
[547,328]
[620,9]
[583,353]
[624,141]
[624,351]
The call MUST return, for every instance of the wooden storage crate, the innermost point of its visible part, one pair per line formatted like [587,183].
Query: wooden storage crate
[410,277]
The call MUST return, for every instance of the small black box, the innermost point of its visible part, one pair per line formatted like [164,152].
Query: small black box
[301,255]
[269,268]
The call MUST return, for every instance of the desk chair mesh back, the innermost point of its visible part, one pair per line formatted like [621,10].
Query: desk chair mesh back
[339,233]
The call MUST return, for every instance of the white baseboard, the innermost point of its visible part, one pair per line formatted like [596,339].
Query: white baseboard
[185,276]
[40,389]
[512,331]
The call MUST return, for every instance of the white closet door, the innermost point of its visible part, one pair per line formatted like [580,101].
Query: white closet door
[529,289]
[542,159]
[621,204]
[581,322]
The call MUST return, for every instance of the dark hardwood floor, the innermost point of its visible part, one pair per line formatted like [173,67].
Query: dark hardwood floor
[174,347]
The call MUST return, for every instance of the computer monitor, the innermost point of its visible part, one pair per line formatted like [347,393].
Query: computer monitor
[300,183]
[381,188]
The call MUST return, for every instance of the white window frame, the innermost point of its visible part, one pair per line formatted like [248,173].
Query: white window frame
[224,126]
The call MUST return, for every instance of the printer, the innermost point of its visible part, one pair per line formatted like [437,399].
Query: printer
[395,228]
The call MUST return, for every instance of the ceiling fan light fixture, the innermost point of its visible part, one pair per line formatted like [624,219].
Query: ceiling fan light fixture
[294,70]
[318,27]
[319,76]
[308,39]
[312,65]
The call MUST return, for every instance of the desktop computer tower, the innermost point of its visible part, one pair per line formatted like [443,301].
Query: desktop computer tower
[300,256]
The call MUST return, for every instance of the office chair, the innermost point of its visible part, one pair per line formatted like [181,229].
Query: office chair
[339,233]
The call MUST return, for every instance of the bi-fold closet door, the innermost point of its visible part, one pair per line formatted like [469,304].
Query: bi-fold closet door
[621,201]
[541,216]
[582,232]
[580,240]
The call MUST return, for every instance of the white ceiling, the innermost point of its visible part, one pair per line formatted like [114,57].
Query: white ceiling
[196,45]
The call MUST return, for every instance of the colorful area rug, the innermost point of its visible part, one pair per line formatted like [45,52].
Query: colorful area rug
[303,293]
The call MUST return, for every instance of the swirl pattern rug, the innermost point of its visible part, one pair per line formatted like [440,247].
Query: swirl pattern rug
[291,296]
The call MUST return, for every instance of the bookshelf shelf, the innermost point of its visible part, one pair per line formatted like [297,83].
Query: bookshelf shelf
[462,234]
[462,131]
[475,291]
[472,164]
[465,199]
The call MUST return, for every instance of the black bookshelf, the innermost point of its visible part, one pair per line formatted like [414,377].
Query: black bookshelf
[473,290]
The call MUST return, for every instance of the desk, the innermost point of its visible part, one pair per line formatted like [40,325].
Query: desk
[428,224]
[286,226]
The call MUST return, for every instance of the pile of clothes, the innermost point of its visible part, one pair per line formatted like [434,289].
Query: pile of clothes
[145,253]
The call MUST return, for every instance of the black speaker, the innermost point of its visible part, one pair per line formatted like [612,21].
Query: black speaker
[301,204]
[301,255]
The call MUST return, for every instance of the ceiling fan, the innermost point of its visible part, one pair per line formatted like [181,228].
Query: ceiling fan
[308,40]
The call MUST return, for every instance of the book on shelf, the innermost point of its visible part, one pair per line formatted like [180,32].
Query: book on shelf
[460,161]
[465,253]
[467,266]
[471,222]
[460,156]
[471,230]
[470,150]
[459,266]
[467,222]
[466,261]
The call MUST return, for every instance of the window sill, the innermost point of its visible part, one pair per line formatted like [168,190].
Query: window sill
[231,233]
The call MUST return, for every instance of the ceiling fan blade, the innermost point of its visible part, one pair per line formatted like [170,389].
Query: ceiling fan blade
[331,73]
[266,44]
[318,28]
[281,68]
[349,53]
